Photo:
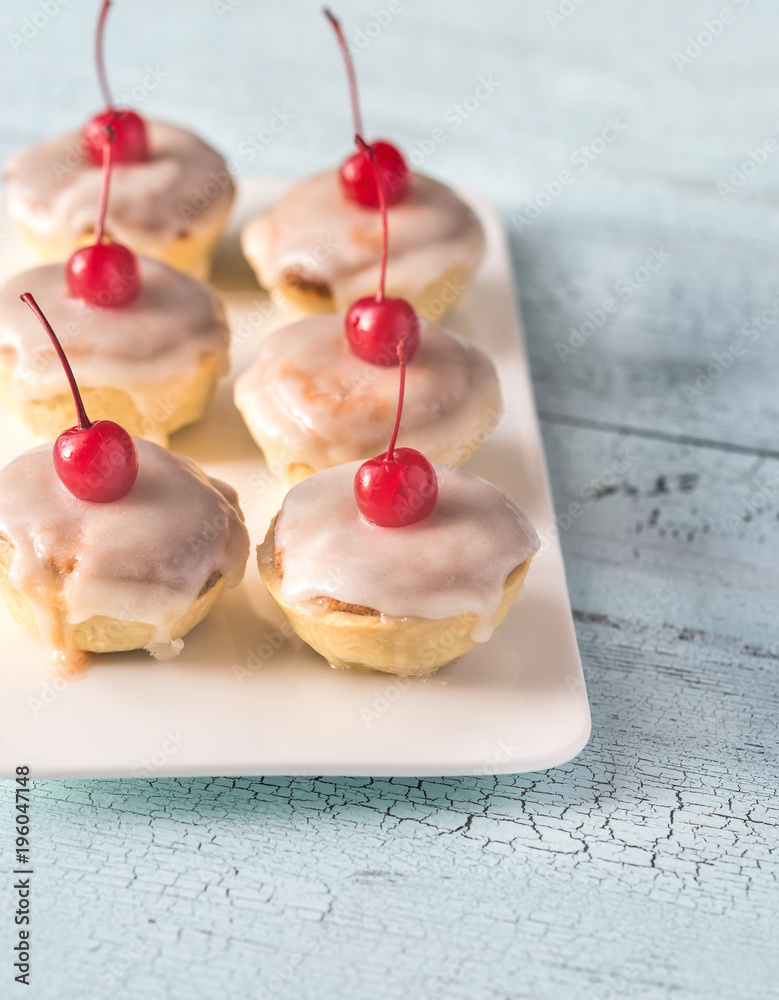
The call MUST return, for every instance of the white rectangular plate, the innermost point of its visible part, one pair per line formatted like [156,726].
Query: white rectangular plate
[243,698]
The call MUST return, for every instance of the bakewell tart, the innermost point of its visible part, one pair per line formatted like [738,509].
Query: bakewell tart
[173,192]
[320,245]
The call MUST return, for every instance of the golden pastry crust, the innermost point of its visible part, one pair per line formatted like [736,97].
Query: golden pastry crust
[100,634]
[353,636]
[190,252]
[182,400]
[296,472]
[311,296]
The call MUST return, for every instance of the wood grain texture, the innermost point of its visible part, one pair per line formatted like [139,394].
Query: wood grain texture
[648,867]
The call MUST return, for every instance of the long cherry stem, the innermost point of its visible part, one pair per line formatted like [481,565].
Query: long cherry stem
[83,419]
[402,358]
[101,73]
[369,151]
[101,213]
[349,68]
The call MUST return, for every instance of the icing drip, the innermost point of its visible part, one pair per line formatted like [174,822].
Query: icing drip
[144,558]
[309,399]
[164,333]
[455,561]
[54,190]
[316,231]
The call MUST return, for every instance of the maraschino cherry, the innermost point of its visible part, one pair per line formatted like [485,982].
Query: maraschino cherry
[104,274]
[399,487]
[357,175]
[94,461]
[376,325]
[132,143]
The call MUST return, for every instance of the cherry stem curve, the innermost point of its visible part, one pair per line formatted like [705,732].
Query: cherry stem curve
[110,134]
[402,358]
[349,68]
[369,151]
[101,73]
[83,420]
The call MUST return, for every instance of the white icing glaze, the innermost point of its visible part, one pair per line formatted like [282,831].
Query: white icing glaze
[453,562]
[144,558]
[55,191]
[164,333]
[315,228]
[308,398]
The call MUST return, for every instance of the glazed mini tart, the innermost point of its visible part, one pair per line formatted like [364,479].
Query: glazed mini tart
[172,194]
[172,206]
[321,251]
[402,600]
[135,573]
[310,402]
[150,365]
[320,247]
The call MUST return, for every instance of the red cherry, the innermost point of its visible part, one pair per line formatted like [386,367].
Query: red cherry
[104,274]
[375,329]
[357,175]
[97,463]
[394,492]
[399,487]
[359,182]
[94,461]
[132,142]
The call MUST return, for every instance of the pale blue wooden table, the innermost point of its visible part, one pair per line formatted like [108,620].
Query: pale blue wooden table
[647,868]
